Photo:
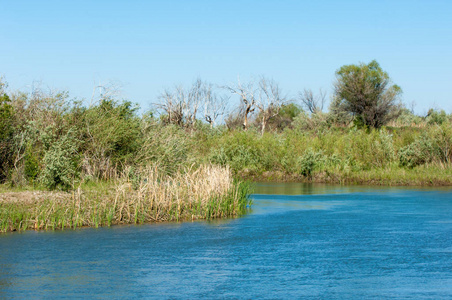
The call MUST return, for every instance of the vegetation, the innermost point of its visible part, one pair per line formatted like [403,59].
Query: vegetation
[365,91]
[108,164]
[136,196]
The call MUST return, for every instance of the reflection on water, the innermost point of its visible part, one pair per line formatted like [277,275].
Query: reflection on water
[294,188]
[299,241]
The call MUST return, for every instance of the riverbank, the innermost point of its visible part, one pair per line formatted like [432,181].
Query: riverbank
[204,193]
[421,176]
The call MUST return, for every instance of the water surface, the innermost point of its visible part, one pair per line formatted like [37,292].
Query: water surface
[299,241]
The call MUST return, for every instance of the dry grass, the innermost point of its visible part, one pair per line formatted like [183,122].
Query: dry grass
[140,196]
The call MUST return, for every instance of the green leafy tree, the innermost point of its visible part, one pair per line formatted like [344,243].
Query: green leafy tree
[286,116]
[111,133]
[367,93]
[6,131]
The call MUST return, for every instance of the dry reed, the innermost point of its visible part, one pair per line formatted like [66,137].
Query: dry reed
[140,196]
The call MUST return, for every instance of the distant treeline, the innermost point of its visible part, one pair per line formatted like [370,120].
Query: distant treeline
[367,136]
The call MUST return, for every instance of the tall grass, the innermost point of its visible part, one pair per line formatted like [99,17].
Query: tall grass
[134,197]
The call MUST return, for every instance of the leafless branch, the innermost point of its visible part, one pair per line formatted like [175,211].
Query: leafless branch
[312,103]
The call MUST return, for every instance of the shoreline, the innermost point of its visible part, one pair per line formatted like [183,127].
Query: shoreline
[371,178]
[49,210]
[208,192]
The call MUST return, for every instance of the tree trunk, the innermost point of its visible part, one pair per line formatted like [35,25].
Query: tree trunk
[245,122]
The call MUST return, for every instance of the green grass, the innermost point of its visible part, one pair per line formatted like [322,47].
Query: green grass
[426,175]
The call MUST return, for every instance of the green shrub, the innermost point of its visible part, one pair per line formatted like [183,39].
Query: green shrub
[309,161]
[111,132]
[317,121]
[238,149]
[31,163]
[416,153]
[61,163]
[6,133]
[436,117]
[165,145]
[407,118]
[383,148]
[441,137]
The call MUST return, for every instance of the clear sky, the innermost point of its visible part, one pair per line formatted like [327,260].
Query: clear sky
[149,45]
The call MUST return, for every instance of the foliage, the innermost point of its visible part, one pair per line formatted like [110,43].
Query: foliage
[165,145]
[442,142]
[416,153]
[60,162]
[366,92]
[238,150]
[436,117]
[111,132]
[6,132]
[435,144]
[315,121]
[52,142]
[309,161]
[407,118]
[31,163]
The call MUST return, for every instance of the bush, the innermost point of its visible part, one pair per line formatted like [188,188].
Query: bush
[317,121]
[416,153]
[383,148]
[61,163]
[240,150]
[436,117]
[165,145]
[6,133]
[31,163]
[309,161]
[442,142]
[407,118]
[111,132]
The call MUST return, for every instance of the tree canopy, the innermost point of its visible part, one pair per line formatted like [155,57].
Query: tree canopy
[366,92]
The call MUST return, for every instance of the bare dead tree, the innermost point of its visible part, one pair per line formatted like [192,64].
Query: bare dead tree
[247,98]
[214,105]
[183,106]
[110,90]
[269,101]
[234,118]
[312,103]
[173,105]
[195,97]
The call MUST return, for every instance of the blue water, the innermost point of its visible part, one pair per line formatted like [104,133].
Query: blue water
[299,241]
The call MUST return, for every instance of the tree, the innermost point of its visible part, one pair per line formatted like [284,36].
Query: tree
[269,101]
[247,99]
[366,92]
[6,131]
[182,106]
[214,105]
[312,103]
[111,131]
[285,117]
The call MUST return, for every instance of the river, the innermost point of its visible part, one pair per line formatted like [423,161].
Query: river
[298,241]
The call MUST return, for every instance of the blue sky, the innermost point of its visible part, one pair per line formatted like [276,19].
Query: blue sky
[149,45]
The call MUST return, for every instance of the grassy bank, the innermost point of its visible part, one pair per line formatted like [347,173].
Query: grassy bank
[143,196]
[388,156]
[422,176]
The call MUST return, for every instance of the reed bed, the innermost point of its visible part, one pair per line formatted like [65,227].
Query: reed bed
[134,197]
